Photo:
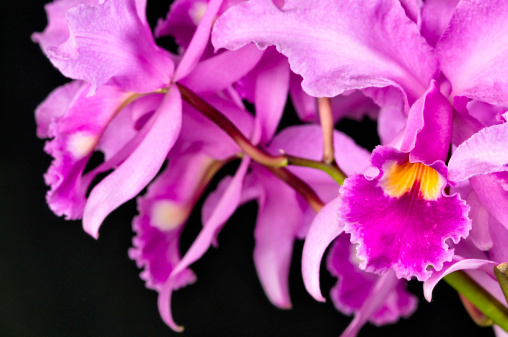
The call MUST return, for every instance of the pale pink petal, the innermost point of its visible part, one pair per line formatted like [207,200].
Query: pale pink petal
[330,46]
[485,152]
[324,229]
[436,15]
[57,30]
[272,85]
[373,303]
[479,216]
[473,51]
[278,222]
[304,104]
[493,195]
[225,208]
[109,43]
[392,115]
[139,168]
[457,263]
[199,41]
[56,106]
[218,72]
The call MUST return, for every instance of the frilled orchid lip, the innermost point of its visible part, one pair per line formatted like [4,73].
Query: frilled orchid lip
[401,218]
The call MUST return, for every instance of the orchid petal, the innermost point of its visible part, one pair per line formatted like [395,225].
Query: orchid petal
[430,118]
[76,134]
[199,41]
[388,224]
[275,233]
[163,212]
[109,43]
[127,181]
[473,51]
[483,153]
[55,106]
[450,267]
[354,286]
[493,195]
[57,30]
[305,105]
[329,45]
[436,15]
[374,301]
[218,72]
[323,230]
[272,85]
[225,208]
[479,216]
[499,233]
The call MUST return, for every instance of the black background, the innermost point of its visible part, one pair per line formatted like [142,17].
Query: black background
[55,280]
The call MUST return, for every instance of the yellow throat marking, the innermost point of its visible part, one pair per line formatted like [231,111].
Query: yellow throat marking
[399,179]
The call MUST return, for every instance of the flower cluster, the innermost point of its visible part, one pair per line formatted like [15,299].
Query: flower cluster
[430,202]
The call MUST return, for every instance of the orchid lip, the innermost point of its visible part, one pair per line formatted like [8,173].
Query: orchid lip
[402,176]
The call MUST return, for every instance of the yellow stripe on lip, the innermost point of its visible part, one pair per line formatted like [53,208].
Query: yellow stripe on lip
[398,179]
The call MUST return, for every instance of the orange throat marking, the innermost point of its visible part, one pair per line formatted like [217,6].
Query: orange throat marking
[399,179]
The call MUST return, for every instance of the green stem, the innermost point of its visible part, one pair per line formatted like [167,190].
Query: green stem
[480,297]
[501,272]
[257,154]
[331,169]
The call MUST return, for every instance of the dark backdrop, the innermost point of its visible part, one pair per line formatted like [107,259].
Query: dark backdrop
[55,280]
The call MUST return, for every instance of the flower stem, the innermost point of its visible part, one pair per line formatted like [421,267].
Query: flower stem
[225,124]
[480,297]
[326,119]
[501,273]
[252,151]
[332,170]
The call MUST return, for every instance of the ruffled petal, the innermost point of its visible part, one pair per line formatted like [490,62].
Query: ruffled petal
[163,212]
[55,106]
[373,303]
[76,133]
[324,229]
[160,133]
[57,30]
[485,152]
[110,43]
[354,286]
[473,51]
[401,219]
[275,234]
[329,45]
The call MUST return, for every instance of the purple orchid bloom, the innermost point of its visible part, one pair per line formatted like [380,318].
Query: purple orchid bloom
[333,52]
[79,41]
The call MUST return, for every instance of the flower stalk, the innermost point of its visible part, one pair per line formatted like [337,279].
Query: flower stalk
[480,297]
[326,120]
[501,272]
[256,153]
